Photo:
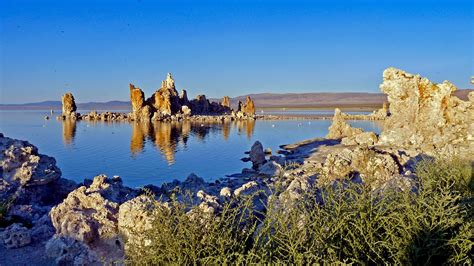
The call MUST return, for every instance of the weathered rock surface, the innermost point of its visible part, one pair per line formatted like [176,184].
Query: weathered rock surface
[257,156]
[426,115]
[226,102]
[22,164]
[166,100]
[339,128]
[364,138]
[15,236]
[137,98]
[68,251]
[68,105]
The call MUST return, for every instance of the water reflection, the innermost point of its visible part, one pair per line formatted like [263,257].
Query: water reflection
[168,137]
[69,131]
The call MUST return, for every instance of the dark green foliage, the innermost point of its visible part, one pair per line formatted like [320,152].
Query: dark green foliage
[354,225]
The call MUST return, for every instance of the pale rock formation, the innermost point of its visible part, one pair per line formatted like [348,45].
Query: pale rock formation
[137,98]
[364,138]
[135,217]
[249,107]
[246,189]
[68,105]
[21,164]
[15,236]
[186,111]
[372,166]
[226,192]
[90,215]
[339,128]
[426,115]
[166,100]
[257,156]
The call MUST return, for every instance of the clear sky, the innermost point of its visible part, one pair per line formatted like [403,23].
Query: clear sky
[95,48]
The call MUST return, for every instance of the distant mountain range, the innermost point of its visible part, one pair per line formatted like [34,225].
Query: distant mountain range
[262,100]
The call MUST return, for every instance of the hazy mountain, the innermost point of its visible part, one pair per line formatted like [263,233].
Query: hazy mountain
[262,100]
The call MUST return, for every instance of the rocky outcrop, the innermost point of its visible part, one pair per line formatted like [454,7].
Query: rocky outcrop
[339,128]
[166,100]
[68,106]
[226,102]
[249,107]
[21,164]
[364,138]
[183,98]
[137,98]
[15,236]
[200,105]
[257,156]
[426,115]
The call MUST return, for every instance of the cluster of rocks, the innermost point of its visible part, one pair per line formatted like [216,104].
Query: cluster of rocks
[101,217]
[165,105]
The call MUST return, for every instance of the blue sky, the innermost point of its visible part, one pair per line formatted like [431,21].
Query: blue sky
[95,48]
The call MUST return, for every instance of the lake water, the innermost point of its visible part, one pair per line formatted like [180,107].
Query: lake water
[159,152]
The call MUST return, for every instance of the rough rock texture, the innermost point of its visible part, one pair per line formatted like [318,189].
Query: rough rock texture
[135,217]
[183,98]
[21,163]
[166,100]
[16,236]
[364,138]
[425,115]
[90,215]
[137,98]
[270,168]
[373,166]
[69,105]
[257,156]
[68,251]
[339,128]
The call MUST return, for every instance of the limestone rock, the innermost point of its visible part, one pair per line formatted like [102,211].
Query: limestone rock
[270,168]
[247,189]
[90,214]
[166,100]
[226,102]
[426,115]
[249,107]
[257,156]
[68,251]
[373,166]
[135,217]
[21,163]
[364,138]
[68,105]
[340,128]
[137,98]
[16,236]
[200,105]
[186,111]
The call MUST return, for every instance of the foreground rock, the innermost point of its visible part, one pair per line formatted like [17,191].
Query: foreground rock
[426,115]
[340,128]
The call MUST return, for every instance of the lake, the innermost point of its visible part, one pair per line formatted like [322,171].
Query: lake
[159,152]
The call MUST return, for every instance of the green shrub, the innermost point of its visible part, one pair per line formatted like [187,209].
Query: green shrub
[345,223]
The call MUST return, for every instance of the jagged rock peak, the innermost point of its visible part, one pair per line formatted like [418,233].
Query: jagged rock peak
[168,83]
[426,115]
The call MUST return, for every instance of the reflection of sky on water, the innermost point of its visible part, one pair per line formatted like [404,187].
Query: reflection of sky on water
[157,152]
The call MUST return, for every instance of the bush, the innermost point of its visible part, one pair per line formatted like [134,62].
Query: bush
[348,223]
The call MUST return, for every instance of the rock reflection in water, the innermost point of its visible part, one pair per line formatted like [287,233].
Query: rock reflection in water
[69,131]
[168,136]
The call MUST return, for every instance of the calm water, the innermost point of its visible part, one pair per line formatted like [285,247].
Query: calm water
[156,153]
